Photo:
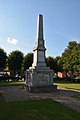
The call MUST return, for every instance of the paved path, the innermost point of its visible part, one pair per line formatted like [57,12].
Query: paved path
[16,93]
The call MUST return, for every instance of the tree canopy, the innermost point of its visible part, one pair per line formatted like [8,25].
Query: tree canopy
[3,59]
[59,63]
[15,60]
[28,60]
[71,57]
[50,62]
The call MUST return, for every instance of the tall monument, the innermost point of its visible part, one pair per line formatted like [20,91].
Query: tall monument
[39,78]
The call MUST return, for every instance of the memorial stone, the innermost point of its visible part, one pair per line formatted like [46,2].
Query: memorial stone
[39,78]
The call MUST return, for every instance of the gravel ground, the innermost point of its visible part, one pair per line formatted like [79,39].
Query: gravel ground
[17,93]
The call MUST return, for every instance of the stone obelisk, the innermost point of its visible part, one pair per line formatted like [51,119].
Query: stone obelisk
[39,78]
[39,49]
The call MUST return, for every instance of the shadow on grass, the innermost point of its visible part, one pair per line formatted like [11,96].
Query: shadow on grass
[46,109]
[1,99]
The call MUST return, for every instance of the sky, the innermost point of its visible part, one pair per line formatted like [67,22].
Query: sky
[18,22]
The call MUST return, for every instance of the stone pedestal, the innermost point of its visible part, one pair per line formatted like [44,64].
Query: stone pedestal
[40,79]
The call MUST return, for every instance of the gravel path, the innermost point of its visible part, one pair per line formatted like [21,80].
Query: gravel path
[16,93]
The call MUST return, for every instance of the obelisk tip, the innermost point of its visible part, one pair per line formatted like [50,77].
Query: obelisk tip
[40,15]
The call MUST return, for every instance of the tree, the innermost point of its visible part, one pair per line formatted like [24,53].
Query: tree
[15,60]
[50,62]
[3,59]
[58,60]
[28,60]
[71,57]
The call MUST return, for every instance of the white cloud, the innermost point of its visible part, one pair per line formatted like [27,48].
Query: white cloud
[12,41]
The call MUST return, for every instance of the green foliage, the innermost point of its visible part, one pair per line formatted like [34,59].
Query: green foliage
[71,57]
[28,60]
[59,62]
[3,59]
[15,60]
[54,63]
[50,62]
[36,110]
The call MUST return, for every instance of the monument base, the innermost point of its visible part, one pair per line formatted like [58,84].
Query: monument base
[42,89]
[40,79]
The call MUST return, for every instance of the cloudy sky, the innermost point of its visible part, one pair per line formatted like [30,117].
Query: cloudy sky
[18,20]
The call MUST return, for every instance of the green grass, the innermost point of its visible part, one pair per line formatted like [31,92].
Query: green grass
[10,83]
[36,110]
[1,99]
[68,85]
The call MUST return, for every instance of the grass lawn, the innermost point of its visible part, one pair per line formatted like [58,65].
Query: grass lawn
[11,83]
[68,85]
[36,110]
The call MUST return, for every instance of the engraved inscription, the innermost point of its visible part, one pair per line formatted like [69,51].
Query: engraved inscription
[43,79]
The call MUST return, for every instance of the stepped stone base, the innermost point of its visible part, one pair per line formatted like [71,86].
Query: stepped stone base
[42,89]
